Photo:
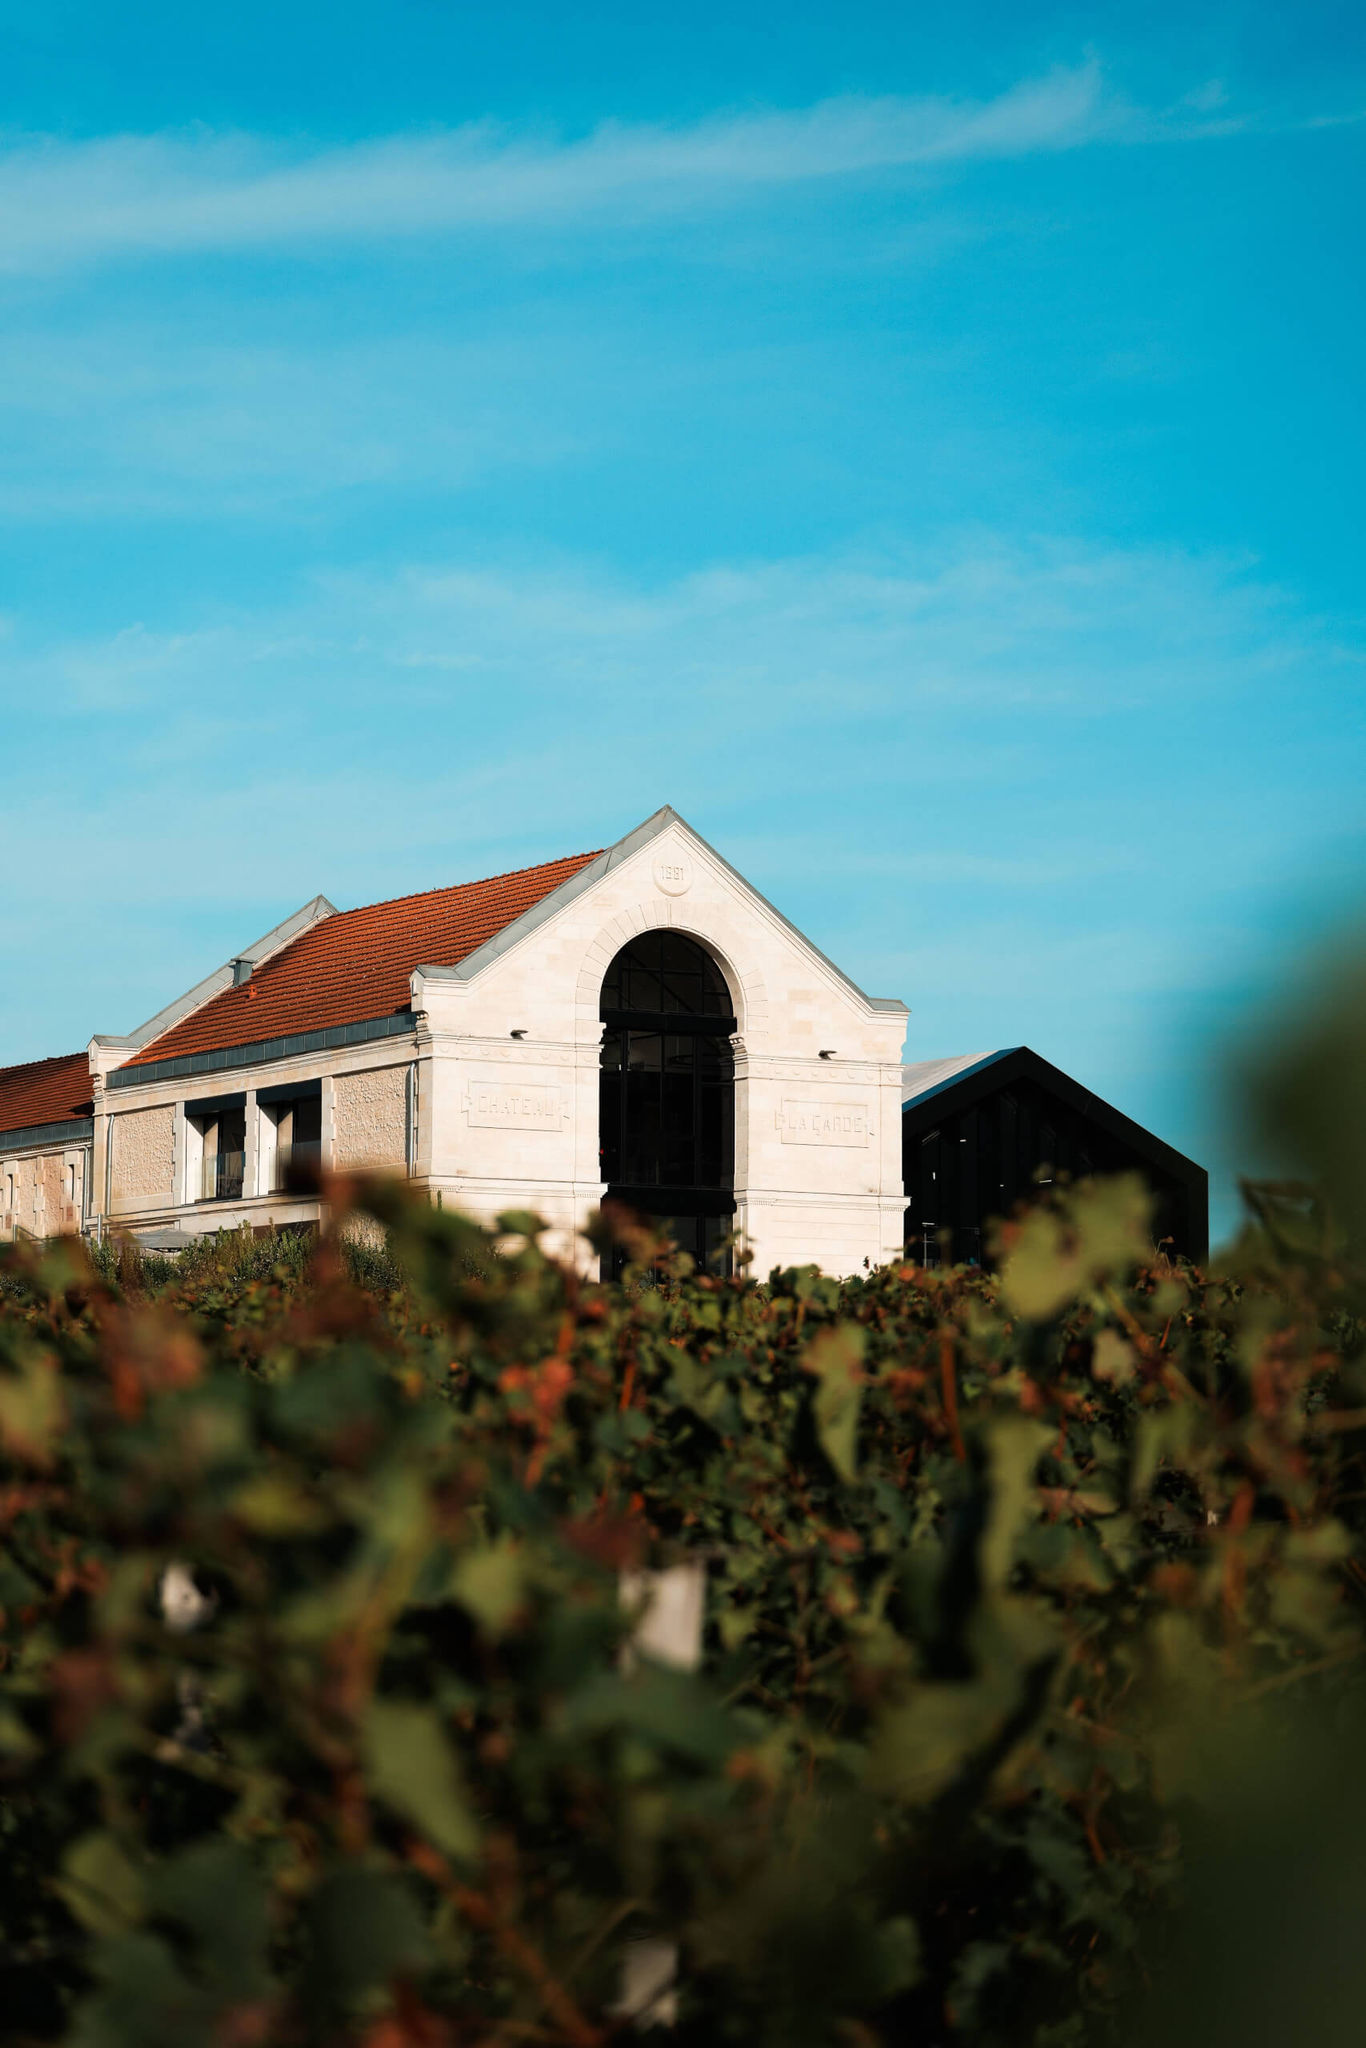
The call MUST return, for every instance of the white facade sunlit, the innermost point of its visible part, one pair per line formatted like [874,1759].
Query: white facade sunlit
[650,1027]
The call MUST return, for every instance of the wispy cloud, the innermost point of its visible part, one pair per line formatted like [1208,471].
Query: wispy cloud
[124,419]
[67,202]
[971,651]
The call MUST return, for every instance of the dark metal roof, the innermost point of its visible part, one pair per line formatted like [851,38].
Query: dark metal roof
[973,1076]
[924,1078]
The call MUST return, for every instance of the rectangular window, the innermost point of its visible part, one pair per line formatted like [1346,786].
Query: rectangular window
[216,1130]
[292,1128]
[225,1155]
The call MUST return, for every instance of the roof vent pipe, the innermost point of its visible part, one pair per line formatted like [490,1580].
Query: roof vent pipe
[241,972]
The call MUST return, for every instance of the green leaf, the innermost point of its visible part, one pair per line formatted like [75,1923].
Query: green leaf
[364,1930]
[922,1746]
[272,1505]
[491,1584]
[1013,1447]
[670,1710]
[215,1891]
[1113,1358]
[100,1886]
[15,1738]
[899,1956]
[836,1359]
[17,1587]
[32,1410]
[144,2000]
[1098,1232]
[412,1768]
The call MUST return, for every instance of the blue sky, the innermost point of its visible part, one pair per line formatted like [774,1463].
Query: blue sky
[923,445]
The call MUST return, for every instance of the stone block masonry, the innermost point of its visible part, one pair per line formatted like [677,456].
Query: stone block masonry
[370,1118]
[144,1154]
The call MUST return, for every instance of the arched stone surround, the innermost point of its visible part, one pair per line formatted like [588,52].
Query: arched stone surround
[747,990]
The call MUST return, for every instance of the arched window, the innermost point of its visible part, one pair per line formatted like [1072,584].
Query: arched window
[667,1106]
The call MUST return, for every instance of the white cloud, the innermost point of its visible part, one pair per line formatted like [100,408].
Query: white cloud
[989,625]
[136,418]
[67,202]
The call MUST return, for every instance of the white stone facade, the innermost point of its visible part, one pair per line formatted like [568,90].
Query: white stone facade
[489,1098]
[512,1122]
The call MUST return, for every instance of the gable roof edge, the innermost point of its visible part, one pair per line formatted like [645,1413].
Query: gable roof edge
[961,1068]
[612,857]
[213,984]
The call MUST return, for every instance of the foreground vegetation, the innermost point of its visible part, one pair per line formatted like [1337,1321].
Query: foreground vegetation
[988,1559]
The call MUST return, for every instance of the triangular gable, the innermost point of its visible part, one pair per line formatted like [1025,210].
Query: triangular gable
[559,900]
[988,1072]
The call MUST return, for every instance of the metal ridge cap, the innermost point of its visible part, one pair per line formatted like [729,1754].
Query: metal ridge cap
[220,978]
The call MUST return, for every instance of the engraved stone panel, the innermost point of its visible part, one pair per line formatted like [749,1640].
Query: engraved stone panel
[824,1123]
[498,1103]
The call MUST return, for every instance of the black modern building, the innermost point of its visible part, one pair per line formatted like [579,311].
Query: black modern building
[981,1133]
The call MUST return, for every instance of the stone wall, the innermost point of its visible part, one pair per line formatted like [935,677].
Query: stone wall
[144,1154]
[52,1203]
[370,1118]
[42,1205]
[21,1215]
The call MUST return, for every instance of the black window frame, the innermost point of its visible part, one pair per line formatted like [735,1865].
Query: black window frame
[705,1193]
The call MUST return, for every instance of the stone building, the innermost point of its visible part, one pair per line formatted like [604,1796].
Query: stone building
[637,1022]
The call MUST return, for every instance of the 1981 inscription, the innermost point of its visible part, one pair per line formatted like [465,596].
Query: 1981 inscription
[673,873]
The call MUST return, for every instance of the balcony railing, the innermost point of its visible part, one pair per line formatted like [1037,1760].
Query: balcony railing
[222,1176]
[294,1163]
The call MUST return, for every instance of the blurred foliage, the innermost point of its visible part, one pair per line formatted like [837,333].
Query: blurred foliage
[1268,1944]
[1014,1582]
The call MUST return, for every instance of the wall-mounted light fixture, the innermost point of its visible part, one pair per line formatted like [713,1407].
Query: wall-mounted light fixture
[519,1034]
[829,1053]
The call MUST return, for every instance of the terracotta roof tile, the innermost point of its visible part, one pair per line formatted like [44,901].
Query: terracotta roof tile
[355,964]
[52,1091]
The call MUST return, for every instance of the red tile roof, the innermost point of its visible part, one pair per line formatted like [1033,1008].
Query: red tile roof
[355,964]
[45,1092]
